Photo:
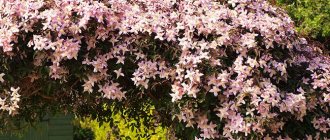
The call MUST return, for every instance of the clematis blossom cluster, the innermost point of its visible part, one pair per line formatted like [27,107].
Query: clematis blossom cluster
[236,68]
[9,99]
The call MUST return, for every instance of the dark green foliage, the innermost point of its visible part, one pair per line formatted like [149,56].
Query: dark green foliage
[83,133]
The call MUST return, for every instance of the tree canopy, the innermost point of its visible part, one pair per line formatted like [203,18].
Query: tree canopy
[211,69]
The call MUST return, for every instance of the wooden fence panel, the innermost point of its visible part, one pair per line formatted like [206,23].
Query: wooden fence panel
[58,127]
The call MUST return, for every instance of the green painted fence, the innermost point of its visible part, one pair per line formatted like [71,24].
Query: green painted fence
[58,127]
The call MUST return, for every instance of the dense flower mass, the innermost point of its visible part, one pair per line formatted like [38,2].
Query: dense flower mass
[236,68]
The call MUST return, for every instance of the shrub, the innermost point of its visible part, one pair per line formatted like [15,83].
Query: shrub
[312,16]
[224,69]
